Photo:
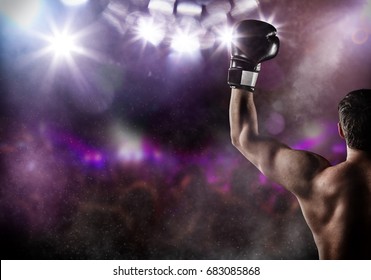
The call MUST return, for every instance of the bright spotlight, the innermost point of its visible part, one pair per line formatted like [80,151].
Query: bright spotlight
[62,44]
[150,31]
[226,35]
[185,43]
[74,2]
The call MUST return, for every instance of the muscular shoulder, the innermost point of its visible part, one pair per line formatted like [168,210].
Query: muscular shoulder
[339,177]
[302,169]
[332,180]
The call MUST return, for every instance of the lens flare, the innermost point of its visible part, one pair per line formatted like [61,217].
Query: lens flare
[63,44]
[225,35]
[150,31]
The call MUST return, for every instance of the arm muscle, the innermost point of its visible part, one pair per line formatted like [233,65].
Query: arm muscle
[292,169]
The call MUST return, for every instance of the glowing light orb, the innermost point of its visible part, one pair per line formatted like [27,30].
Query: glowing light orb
[73,2]
[275,123]
[62,44]
[225,36]
[360,36]
[131,152]
[185,43]
[129,144]
[150,31]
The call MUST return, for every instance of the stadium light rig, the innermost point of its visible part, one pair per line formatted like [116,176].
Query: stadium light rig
[164,23]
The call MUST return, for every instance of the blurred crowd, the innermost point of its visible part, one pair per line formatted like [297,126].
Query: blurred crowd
[53,208]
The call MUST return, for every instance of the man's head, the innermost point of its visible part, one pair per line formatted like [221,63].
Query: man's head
[355,119]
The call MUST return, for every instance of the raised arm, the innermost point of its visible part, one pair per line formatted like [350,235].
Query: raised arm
[295,170]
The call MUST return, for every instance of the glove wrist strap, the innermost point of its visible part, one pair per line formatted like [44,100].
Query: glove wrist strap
[238,78]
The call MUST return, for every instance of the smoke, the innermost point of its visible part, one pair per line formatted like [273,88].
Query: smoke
[314,79]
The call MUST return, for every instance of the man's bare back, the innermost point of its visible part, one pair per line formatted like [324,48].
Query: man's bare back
[338,211]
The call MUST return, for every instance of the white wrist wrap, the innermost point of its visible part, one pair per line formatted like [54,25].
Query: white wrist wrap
[249,78]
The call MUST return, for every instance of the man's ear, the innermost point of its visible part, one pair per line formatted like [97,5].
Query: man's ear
[340,130]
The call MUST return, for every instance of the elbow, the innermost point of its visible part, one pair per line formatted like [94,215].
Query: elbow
[238,137]
[240,143]
[235,139]
[247,147]
[243,142]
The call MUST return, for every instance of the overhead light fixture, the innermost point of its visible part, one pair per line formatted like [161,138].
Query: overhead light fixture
[74,2]
[244,7]
[188,8]
[165,7]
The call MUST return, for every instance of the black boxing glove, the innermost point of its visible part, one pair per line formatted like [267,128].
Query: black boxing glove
[253,42]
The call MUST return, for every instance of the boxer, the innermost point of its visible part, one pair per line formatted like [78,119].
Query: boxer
[335,199]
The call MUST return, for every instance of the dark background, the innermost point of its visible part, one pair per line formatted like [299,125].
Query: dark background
[122,150]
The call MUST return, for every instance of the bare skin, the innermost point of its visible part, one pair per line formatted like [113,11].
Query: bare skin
[335,200]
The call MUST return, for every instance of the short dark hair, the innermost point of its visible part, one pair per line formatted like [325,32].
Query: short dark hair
[355,119]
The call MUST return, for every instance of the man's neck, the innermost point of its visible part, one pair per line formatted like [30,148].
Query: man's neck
[354,155]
